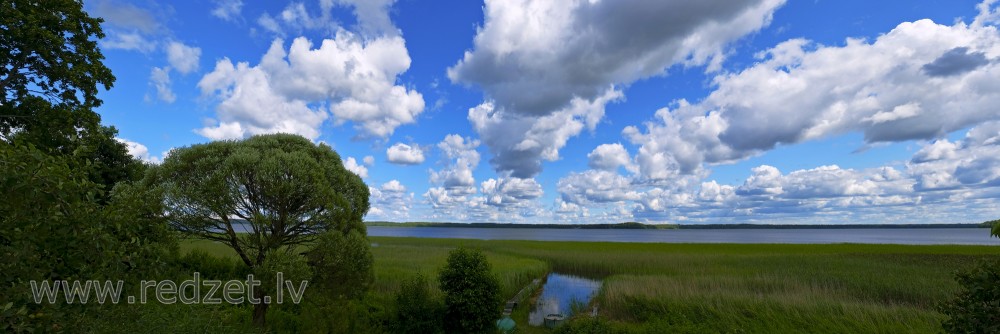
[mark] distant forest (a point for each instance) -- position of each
(641, 226)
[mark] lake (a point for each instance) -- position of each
(908, 236)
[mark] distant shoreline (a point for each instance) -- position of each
(640, 226)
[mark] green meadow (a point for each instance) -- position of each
(710, 288)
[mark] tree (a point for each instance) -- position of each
(52, 228)
(49, 49)
(976, 307)
(417, 311)
(471, 293)
(342, 264)
(50, 72)
(260, 195)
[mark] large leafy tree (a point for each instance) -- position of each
(261, 195)
(50, 71)
(471, 293)
(49, 49)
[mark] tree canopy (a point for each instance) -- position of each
(49, 49)
(281, 188)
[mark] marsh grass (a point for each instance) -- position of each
(738, 288)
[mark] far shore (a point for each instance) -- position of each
(642, 226)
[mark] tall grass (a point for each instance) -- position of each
(746, 288)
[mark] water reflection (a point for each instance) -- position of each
(559, 293)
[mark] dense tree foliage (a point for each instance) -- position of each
(53, 228)
(343, 266)
(50, 73)
(417, 311)
(49, 50)
(976, 307)
(262, 195)
(471, 293)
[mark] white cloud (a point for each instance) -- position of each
(160, 79)
(287, 90)
(610, 157)
(461, 160)
(183, 58)
(549, 68)
(130, 41)
(369, 160)
(126, 16)
(510, 191)
(596, 186)
(228, 10)
(390, 202)
(886, 89)
(352, 165)
(393, 186)
(519, 143)
(403, 154)
(373, 16)
(140, 151)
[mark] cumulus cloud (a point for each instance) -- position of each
(183, 58)
(130, 41)
(510, 191)
(294, 91)
(519, 143)
(549, 68)
(461, 160)
(390, 201)
(128, 27)
(160, 79)
(403, 154)
(596, 186)
(369, 160)
(228, 10)
(609, 157)
(140, 151)
(373, 16)
(352, 165)
(919, 81)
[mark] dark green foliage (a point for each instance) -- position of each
(976, 307)
(342, 264)
(49, 49)
(472, 293)
(52, 228)
(285, 190)
(211, 266)
(321, 314)
(417, 311)
(587, 326)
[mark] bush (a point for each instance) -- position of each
(472, 293)
(416, 310)
(342, 264)
(976, 307)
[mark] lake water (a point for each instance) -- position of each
(558, 295)
(909, 236)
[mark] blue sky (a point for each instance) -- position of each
(749, 111)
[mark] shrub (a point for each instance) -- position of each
(417, 311)
(976, 307)
(342, 264)
(472, 294)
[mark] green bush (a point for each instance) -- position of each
(976, 307)
(211, 267)
(342, 264)
(471, 293)
(417, 311)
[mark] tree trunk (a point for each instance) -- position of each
(259, 314)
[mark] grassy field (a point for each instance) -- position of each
(736, 288)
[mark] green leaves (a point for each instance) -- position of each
(49, 49)
(472, 294)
